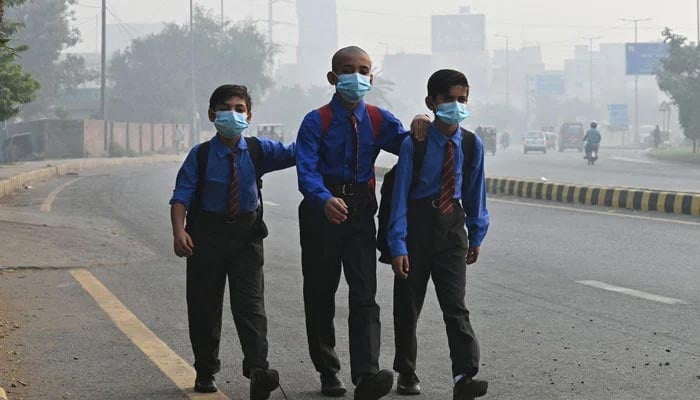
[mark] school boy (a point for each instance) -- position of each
(218, 191)
(337, 146)
(427, 236)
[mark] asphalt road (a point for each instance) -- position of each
(615, 167)
(543, 334)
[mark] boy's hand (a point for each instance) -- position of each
(183, 244)
(336, 210)
(401, 266)
(473, 255)
(420, 127)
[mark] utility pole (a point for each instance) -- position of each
(636, 77)
(590, 54)
(194, 132)
(698, 7)
(222, 21)
(507, 38)
(103, 73)
(269, 20)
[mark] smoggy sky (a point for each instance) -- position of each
(404, 25)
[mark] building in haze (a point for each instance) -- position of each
(318, 40)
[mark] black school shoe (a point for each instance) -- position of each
(374, 387)
(469, 389)
(408, 384)
(262, 383)
(205, 384)
(332, 386)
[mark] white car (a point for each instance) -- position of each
(535, 141)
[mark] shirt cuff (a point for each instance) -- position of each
(176, 200)
(398, 248)
(319, 201)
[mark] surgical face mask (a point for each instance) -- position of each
(353, 87)
(452, 113)
(230, 123)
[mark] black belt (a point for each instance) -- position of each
(349, 189)
(429, 203)
(220, 218)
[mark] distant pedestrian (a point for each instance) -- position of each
(218, 192)
(657, 137)
(178, 138)
(427, 235)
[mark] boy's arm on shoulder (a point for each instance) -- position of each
(398, 222)
(307, 160)
(277, 155)
(187, 180)
(392, 134)
(474, 197)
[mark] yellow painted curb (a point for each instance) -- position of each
(3, 395)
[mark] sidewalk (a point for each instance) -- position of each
(14, 176)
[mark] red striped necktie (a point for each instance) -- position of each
(354, 122)
(233, 200)
(447, 186)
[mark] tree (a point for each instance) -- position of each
(16, 86)
(277, 107)
(381, 90)
(151, 79)
(47, 32)
(679, 77)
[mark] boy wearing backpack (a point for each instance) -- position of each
(427, 236)
(218, 191)
(337, 146)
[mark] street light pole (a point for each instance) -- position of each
(103, 77)
(698, 8)
(194, 134)
(507, 38)
(590, 54)
(636, 78)
(222, 21)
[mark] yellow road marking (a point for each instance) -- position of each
(584, 211)
(645, 200)
(48, 201)
(661, 203)
(3, 395)
(678, 203)
(616, 198)
(172, 365)
(695, 206)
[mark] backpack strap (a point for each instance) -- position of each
(419, 150)
(376, 118)
(468, 146)
(326, 113)
(202, 162)
(256, 155)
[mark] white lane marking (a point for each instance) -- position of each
(270, 203)
(584, 211)
(632, 292)
(48, 201)
(633, 160)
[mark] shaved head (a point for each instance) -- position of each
(345, 53)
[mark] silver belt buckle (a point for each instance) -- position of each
(344, 191)
(435, 204)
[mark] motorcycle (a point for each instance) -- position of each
(591, 153)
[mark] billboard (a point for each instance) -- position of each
(619, 119)
(550, 85)
(458, 33)
(644, 58)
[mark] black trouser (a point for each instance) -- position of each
(224, 250)
(324, 246)
(437, 247)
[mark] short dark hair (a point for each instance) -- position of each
(441, 81)
(224, 93)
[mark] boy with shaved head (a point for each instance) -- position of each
(337, 146)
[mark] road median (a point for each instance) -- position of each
(20, 180)
(601, 196)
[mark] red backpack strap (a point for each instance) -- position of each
(376, 118)
(326, 113)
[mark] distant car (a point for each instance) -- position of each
(535, 141)
(271, 131)
(571, 136)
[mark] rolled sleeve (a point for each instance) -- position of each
(398, 221)
(187, 180)
(474, 198)
(307, 159)
(277, 156)
(392, 134)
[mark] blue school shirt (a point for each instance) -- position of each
(471, 191)
(331, 158)
(217, 178)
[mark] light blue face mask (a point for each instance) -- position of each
(353, 87)
(452, 113)
(230, 123)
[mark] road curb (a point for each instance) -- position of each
(17, 182)
(601, 196)
(3, 394)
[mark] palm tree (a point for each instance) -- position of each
(381, 90)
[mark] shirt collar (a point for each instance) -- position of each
(222, 150)
(340, 110)
(441, 139)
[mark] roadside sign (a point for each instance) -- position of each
(619, 118)
(550, 85)
(644, 58)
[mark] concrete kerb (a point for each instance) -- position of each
(3, 394)
(601, 196)
(17, 182)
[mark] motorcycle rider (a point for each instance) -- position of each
(592, 139)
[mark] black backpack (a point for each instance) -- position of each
(419, 150)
